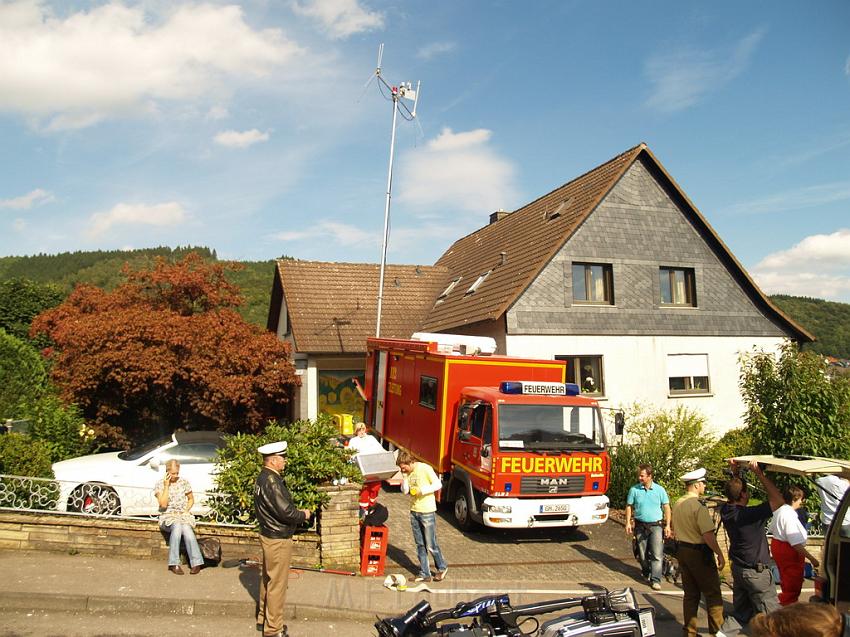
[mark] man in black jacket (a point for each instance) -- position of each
(278, 519)
(753, 587)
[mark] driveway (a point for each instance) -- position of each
(598, 555)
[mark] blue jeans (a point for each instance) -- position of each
(424, 526)
(650, 542)
(176, 532)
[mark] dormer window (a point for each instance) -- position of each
(478, 282)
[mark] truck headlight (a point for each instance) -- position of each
(497, 508)
(601, 505)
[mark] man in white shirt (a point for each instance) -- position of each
(831, 489)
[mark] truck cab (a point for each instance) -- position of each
(528, 454)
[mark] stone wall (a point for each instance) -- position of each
(335, 543)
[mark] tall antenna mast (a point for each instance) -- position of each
(403, 91)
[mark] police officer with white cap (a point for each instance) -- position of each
(694, 531)
(278, 519)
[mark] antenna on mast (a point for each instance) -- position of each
(403, 91)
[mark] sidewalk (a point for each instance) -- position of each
(76, 583)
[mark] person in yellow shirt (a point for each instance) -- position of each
(694, 532)
(421, 482)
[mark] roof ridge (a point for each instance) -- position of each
(634, 149)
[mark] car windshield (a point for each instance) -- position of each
(549, 427)
(138, 452)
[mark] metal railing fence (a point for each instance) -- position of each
(99, 500)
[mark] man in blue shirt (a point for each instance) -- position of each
(648, 519)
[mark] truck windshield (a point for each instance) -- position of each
(551, 427)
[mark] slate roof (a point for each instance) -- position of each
(332, 306)
(515, 249)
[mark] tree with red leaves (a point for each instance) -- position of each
(166, 350)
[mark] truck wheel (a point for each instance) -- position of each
(462, 511)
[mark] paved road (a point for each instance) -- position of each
(523, 555)
(60, 624)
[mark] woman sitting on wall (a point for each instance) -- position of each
(175, 498)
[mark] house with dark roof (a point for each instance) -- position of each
(616, 272)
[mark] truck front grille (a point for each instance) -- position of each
(551, 485)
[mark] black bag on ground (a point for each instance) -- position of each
(211, 550)
(376, 516)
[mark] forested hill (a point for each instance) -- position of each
(828, 321)
(103, 269)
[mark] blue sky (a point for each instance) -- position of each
(245, 127)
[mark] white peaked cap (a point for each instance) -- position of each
(696, 475)
(274, 448)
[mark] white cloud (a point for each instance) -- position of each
(683, 77)
(430, 51)
(243, 139)
(830, 288)
(457, 171)
(340, 18)
(339, 233)
(817, 266)
(27, 201)
(113, 60)
(123, 214)
(820, 251)
(798, 199)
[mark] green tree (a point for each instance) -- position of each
(22, 300)
(23, 377)
(794, 405)
(674, 441)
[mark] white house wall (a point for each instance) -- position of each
(641, 226)
(634, 368)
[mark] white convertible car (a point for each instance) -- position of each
(122, 482)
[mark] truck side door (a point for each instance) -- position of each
(473, 448)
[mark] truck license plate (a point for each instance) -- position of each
(554, 508)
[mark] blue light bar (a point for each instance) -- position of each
(573, 389)
(510, 387)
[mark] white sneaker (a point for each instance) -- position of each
(656, 586)
(441, 575)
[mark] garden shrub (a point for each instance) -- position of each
(674, 441)
(61, 428)
(20, 455)
(314, 458)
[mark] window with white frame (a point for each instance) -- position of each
(688, 374)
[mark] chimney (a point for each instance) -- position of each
(498, 215)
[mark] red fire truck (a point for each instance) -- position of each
(516, 447)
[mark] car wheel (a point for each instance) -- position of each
(462, 510)
(95, 499)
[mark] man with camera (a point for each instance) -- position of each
(753, 587)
